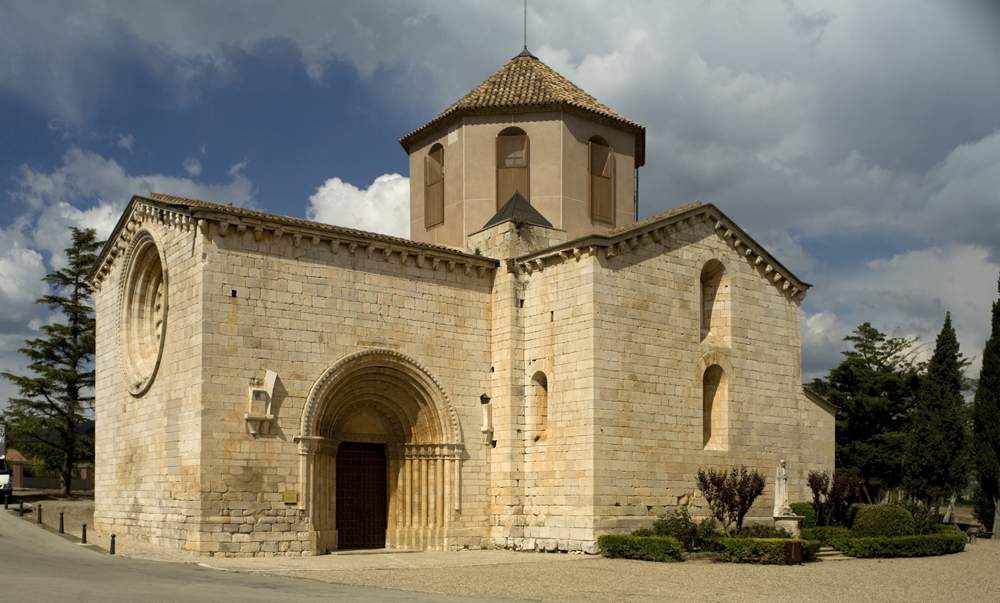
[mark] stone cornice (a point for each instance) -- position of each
(657, 232)
(819, 400)
(175, 213)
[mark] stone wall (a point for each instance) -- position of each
(650, 362)
(148, 448)
(296, 308)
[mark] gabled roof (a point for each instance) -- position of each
(196, 210)
(655, 229)
(526, 84)
(518, 210)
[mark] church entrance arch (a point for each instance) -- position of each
(380, 450)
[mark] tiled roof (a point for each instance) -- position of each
(198, 209)
(526, 84)
(268, 217)
(518, 210)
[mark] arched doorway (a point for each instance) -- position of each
(381, 450)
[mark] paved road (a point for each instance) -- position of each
(36, 565)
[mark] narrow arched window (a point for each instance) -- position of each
(602, 181)
(513, 161)
(715, 408)
(434, 186)
(539, 405)
(715, 302)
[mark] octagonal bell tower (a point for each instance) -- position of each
(525, 130)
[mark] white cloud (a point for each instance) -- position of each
(21, 272)
(91, 191)
(383, 207)
(192, 166)
(905, 295)
(126, 141)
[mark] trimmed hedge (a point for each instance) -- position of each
(927, 545)
(759, 530)
(807, 511)
(883, 520)
(769, 551)
(647, 548)
(827, 535)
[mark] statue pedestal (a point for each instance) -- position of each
(789, 523)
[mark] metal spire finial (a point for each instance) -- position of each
(526, 25)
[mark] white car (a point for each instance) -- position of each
(6, 487)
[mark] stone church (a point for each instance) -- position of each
(533, 368)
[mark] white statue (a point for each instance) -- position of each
(781, 508)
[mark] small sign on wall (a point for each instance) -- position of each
(290, 497)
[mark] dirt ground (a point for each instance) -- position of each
(75, 513)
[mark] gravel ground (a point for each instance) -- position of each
(969, 576)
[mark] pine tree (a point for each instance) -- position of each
(51, 411)
(936, 461)
(986, 426)
(874, 388)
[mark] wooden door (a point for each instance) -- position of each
(361, 496)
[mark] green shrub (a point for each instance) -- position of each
(693, 535)
(827, 535)
(807, 511)
(852, 512)
(883, 520)
(643, 532)
(927, 545)
(769, 551)
(730, 494)
(925, 519)
(647, 548)
(758, 530)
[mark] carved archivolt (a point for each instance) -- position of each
(142, 312)
(419, 402)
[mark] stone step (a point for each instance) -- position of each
(831, 554)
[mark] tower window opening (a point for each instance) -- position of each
(602, 181)
(434, 186)
(513, 164)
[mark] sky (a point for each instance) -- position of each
(858, 141)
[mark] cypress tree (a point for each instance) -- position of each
(986, 426)
(50, 415)
(935, 463)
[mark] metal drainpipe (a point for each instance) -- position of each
(635, 197)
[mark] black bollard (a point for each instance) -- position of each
(6, 501)
(83, 538)
(20, 511)
(112, 549)
(62, 529)
(38, 519)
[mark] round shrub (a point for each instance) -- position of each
(694, 535)
(807, 511)
(883, 520)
